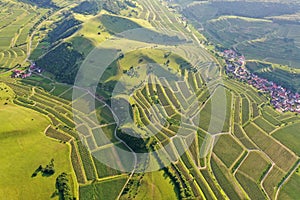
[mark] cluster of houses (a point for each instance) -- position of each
(281, 98)
(26, 73)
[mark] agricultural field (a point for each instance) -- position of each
(259, 30)
(163, 121)
(100, 190)
(289, 137)
(227, 155)
(17, 29)
(289, 190)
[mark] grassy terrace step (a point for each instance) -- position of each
(239, 133)
(192, 82)
(76, 162)
(213, 184)
(270, 115)
(53, 133)
(194, 151)
(208, 193)
(30, 106)
(245, 110)
(62, 118)
(43, 101)
(186, 179)
(255, 110)
(87, 162)
(103, 170)
(289, 136)
(264, 125)
(98, 190)
(237, 107)
(20, 90)
(255, 165)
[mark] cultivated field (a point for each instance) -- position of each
(224, 140)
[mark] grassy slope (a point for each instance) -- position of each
(156, 185)
(23, 149)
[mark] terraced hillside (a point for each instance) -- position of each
(264, 31)
(206, 135)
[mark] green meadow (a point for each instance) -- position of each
(24, 147)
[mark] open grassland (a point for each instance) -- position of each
(6, 94)
(24, 149)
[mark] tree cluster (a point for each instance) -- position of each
(46, 171)
(63, 187)
(114, 6)
(62, 62)
(42, 3)
(63, 29)
(49, 169)
(88, 8)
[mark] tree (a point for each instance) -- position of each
(63, 187)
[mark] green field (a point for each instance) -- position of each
(289, 136)
(290, 189)
(250, 154)
(157, 185)
(102, 190)
(254, 165)
(227, 149)
(24, 148)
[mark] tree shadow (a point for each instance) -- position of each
(46, 171)
(37, 171)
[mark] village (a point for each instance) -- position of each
(26, 73)
(282, 99)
